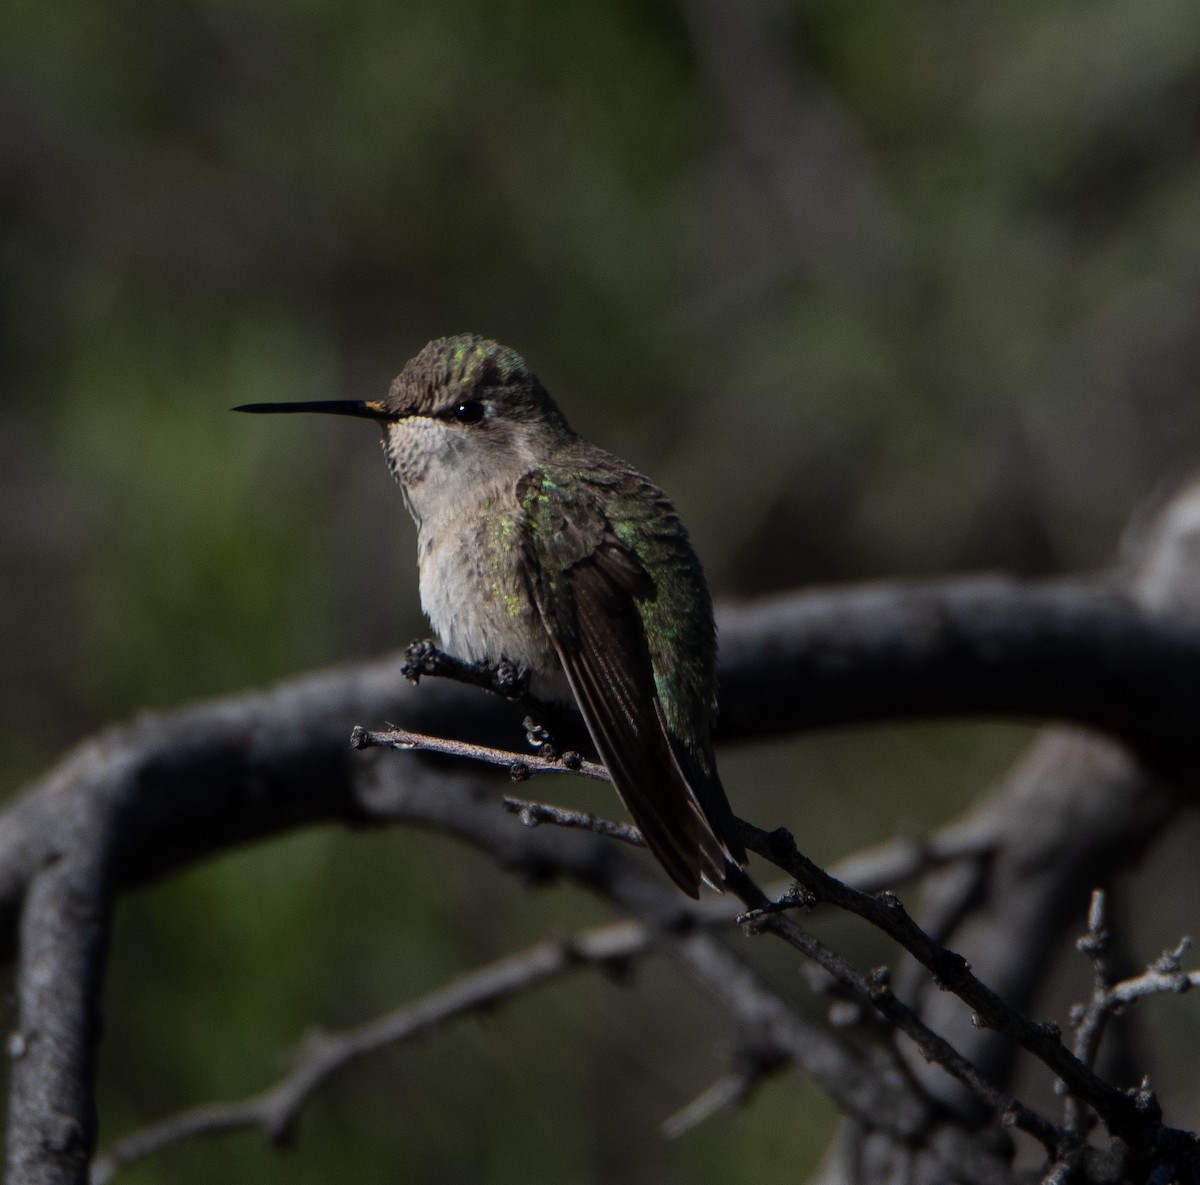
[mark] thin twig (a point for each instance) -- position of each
(875, 990)
(534, 813)
(520, 765)
(549, 722)
(1123, 1115)
(1165, 975)
(728, 1091)
(1090, 1020)
(274, 1111)
(870, 870)
(853, 1080)
(1155, 981)
(887, 914)
(874, 993)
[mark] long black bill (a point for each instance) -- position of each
(364, 409)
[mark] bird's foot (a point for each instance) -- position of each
(507, 679)
(421, 658)
(504, 678)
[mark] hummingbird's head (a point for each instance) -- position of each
(464, 411)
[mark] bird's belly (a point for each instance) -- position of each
(476, 599)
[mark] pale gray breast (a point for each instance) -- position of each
(475, 597)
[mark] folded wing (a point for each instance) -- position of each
(587, 586)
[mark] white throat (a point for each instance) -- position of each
(445, 472)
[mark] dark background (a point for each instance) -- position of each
(872, 289)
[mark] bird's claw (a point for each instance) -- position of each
(539, 738)
(507, 678)
(420, 658)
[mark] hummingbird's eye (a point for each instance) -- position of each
(470, 411)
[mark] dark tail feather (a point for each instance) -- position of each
(720, 842)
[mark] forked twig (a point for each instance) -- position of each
(275, 1111)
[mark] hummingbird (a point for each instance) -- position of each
(541, 549)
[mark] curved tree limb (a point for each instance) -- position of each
(238, 768)
(64, 942)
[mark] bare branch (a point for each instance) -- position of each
(534, 813)
(520, 765)
(876, 991)
(870, 871)
(1108, 999)
(769, 1024)
(1122, 1115)
(1164, 977)
(64, 942)
(727, 1092)
(275, 1111)
(504, 679)
(968, 648)
(1089, 1022)
(886, 1102)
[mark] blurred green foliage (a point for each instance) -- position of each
(871, 288)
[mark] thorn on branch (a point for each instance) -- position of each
(1170, 962)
